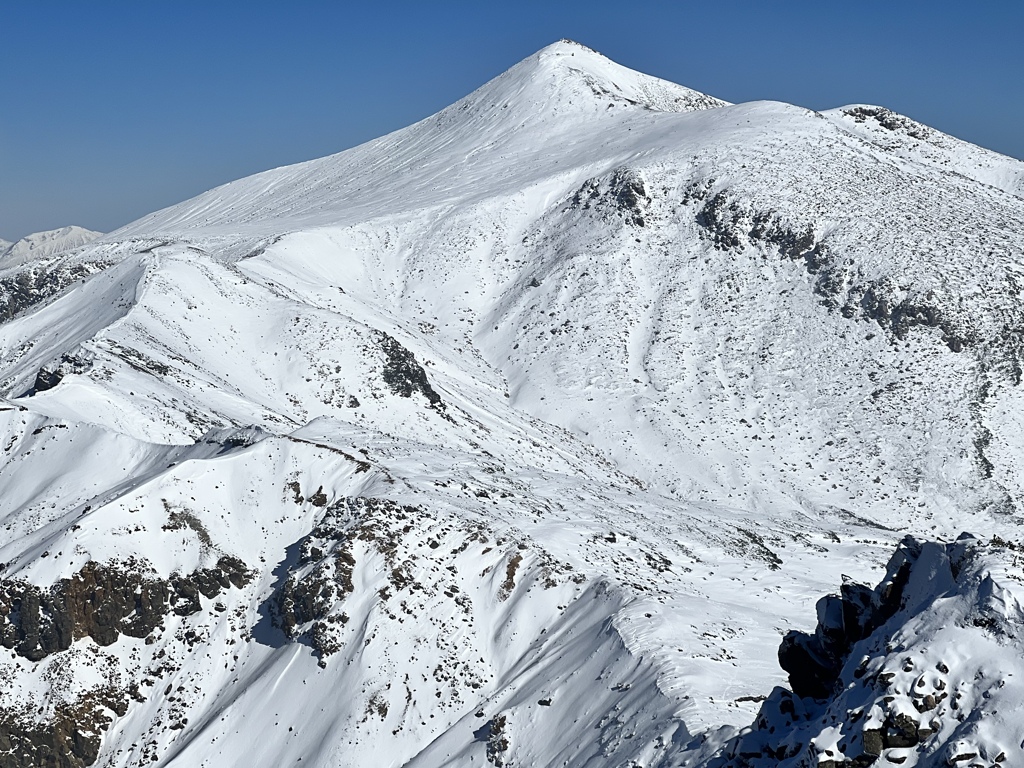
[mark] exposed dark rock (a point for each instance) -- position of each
(814, 661)
(720, 218)
(50, 375)
(730, 224)
(880, 302)
(493, 732)
(46, 380)
(104, 601)
(889, 120)
(307, 606)
(624, 194)
(821, 674)
(71, 739)
(901, 732)
(874, 741)
(140, 361)
(37, 283)
(629, 192)
(791, 243)
(402, 373)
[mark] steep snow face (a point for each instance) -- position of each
(42, 245)
(529, 427)
(754, 280)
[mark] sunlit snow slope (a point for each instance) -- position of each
(41, 245)
(519, 436)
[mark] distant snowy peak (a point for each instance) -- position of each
(608, 82)
(41, 245)
(908, 139)
(569, 79)
(557, 109)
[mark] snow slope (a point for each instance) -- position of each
(513, 437)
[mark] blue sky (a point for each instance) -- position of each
(109, 110)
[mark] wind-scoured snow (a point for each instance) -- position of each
(520, 436)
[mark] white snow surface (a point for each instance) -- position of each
(687, 364)
(41, 245)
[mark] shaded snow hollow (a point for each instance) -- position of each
(523, 436)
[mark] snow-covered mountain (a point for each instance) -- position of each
(40, 265)
(42, 245)
(517, 437)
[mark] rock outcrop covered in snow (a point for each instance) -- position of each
(922, 670)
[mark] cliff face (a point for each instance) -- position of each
(103, 602)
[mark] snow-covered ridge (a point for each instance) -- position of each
(911, 140)
(530, 427)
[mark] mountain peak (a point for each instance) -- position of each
(552, 397)
(579, 70)
(44, 244)
(565, 45)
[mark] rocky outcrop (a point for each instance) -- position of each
(104, 601)
(730, 224)
(889, 120)
(38, 283)
(402, 373)
(308, 605)
(50, 375)
(624, 194)
(70, 739)
(814, 661)
(884, 679)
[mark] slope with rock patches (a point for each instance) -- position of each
(527, 428)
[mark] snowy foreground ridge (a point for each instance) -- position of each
(591, 421)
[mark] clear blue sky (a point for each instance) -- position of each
(109, 110)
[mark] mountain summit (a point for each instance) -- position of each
(553, 111)
(516, 436)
